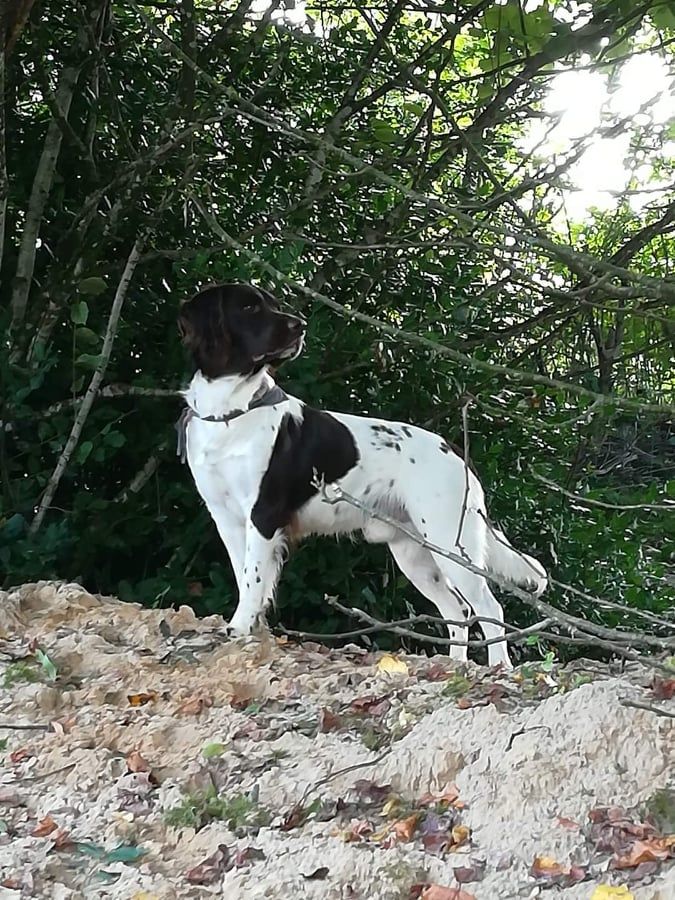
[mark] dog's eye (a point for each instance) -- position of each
(253, 306)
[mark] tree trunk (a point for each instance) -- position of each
(42, 185)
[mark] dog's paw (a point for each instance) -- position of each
(244, 625)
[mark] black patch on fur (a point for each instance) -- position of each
(393, 445)
(318, 444)
(437, 578)
(406, 431)
(367, 490)
(385, 429)
(412, 460)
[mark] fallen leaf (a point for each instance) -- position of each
(570, 824)
(611, 892)
(142, 698)
(436, 672)
(438, 892)
(405, 828)
(435, 832)
(460, 834)
(644, 851)
(375, 706)
(328, 721)
(448, 797)
(144, 895)
(211, 868)
(44, 827)
(464, 703)
(298, 815)
(368, 790)
(211, 750)
(19, 755)
(124, 854)
(193, 705)
(547, 867)
(392, 665)
(48, 666)
(467, 874)
(244, 856)
(663, 688)
(136, 763)
(358, 829)
(318, 874)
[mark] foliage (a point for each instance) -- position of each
(447, 229)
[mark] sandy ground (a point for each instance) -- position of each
(143, 755)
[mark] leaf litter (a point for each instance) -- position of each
(148, 756)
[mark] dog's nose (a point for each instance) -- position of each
(296, 325)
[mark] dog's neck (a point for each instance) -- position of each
(221, 396)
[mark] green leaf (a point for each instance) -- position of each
(84, 450)
(89, 849)
(92, 286)
(88, 360)
(49, 668)
(415, 108)
(79, 313)
(383, 131)
(211, 750)
(86, 336)
(115, 439)
(125, 854)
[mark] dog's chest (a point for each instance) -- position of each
(228, 461)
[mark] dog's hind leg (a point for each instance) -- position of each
(418, 565)
(475, 592)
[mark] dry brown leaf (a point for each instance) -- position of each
(570, 824)
(136, 762)
(405, 828)
(449, 796)
(644, 851)
(663, 688)
(211, 868)
(142, 698)
(44, 827)
(547, 867)
(193, 705)
(328, 721)
(460, 835)
(19, 755)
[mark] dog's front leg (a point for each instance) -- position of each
(263, 559)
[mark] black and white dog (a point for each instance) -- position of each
(255, 454)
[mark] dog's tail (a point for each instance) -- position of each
(518, 568)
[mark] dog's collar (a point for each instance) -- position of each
(269, 396)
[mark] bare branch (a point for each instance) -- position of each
(42, 185)
(94, 384)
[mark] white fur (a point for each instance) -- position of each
(419, 484)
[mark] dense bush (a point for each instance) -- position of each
(112, 136)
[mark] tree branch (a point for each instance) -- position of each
(92, 390)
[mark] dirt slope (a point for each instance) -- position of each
(147, 756)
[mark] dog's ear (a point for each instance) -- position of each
(186, 329)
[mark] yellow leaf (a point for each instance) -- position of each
(611, 892)
(392, 666)
(144, 895)
(460, 834)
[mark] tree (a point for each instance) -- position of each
(371, 166)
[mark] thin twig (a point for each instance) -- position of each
(655, 709)
(311, 788)
(9, 726)
(589, 501)
(94, 385)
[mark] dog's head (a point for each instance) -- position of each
(236, 329)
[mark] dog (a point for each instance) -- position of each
(263, 463)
